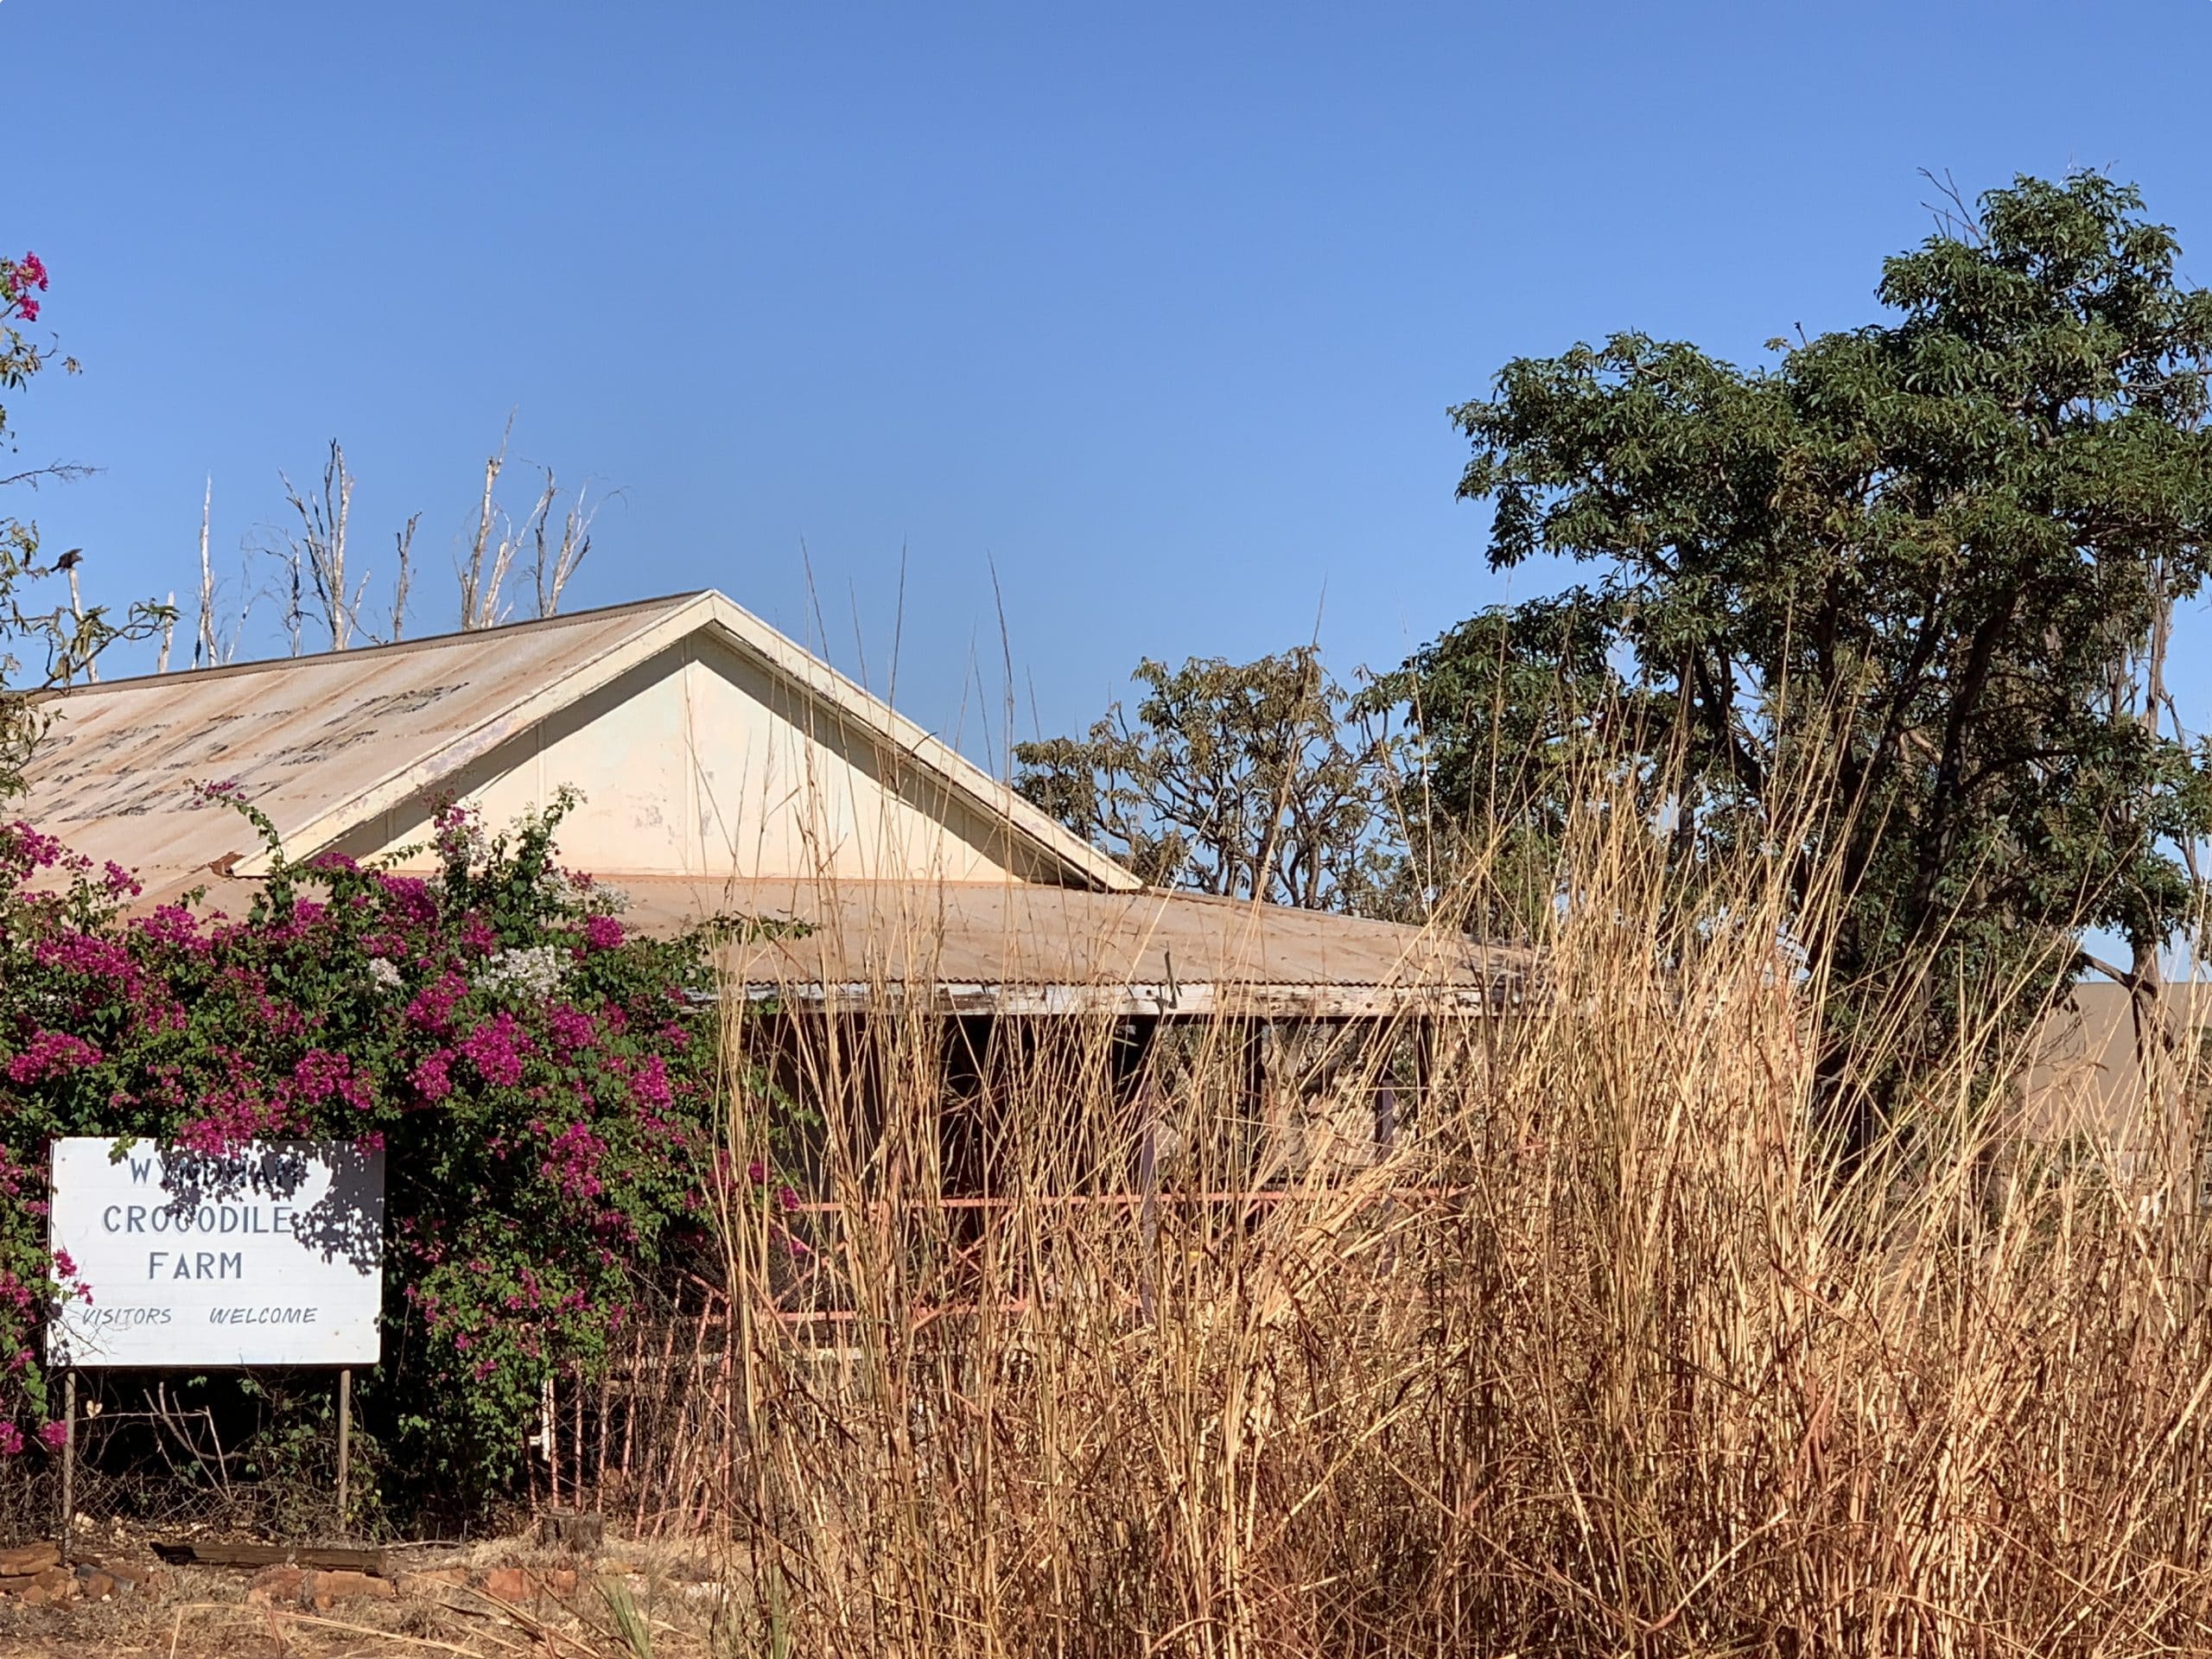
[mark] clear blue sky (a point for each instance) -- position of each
(1156, 308)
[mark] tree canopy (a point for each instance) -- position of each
(1250, 781)
(1932, 560)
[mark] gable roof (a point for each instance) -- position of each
(322, 743)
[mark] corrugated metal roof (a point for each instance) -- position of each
(1005, 948)
(114, 777)
(321, 743)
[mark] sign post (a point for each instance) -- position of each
(345, 1438)
(68, 1466)
(269, 1254)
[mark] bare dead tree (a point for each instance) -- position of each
(405, 549)
(499, 542)
(169, 634)
(315, 587)
(556, 564)
(293, 592)
(320, 546)
(488, 562)
(218, 654)
(203, 649)
(533, 530)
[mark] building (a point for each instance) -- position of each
(2091, 1081)
(706, 744)
(723, 770)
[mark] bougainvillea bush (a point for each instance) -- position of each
(540, 1077)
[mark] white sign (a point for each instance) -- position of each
(271, 1255)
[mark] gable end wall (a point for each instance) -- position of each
(697, 763)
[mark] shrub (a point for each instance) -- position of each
(539, 1076)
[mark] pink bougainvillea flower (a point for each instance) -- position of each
(433, 1006)
(434, 1076)
(497, 1049)
(232, 1115)
(320, 1075)
(574, 1161)
(570, 1028)
(174, 925)
(84, 954)
(352, 1006)
(52, 1054)
(649, 1085)
(411, 898)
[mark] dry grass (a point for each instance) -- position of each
(1599, 1359)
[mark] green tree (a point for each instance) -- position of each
(1249, 780)
(1517, 717)
(1932, 560)
(66, 639)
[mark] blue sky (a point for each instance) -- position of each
(1155, 310)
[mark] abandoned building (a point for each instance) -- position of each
(723, 770)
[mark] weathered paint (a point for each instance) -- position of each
(268, 1255)
(699, 763)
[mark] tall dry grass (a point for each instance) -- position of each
(1600, 1359)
